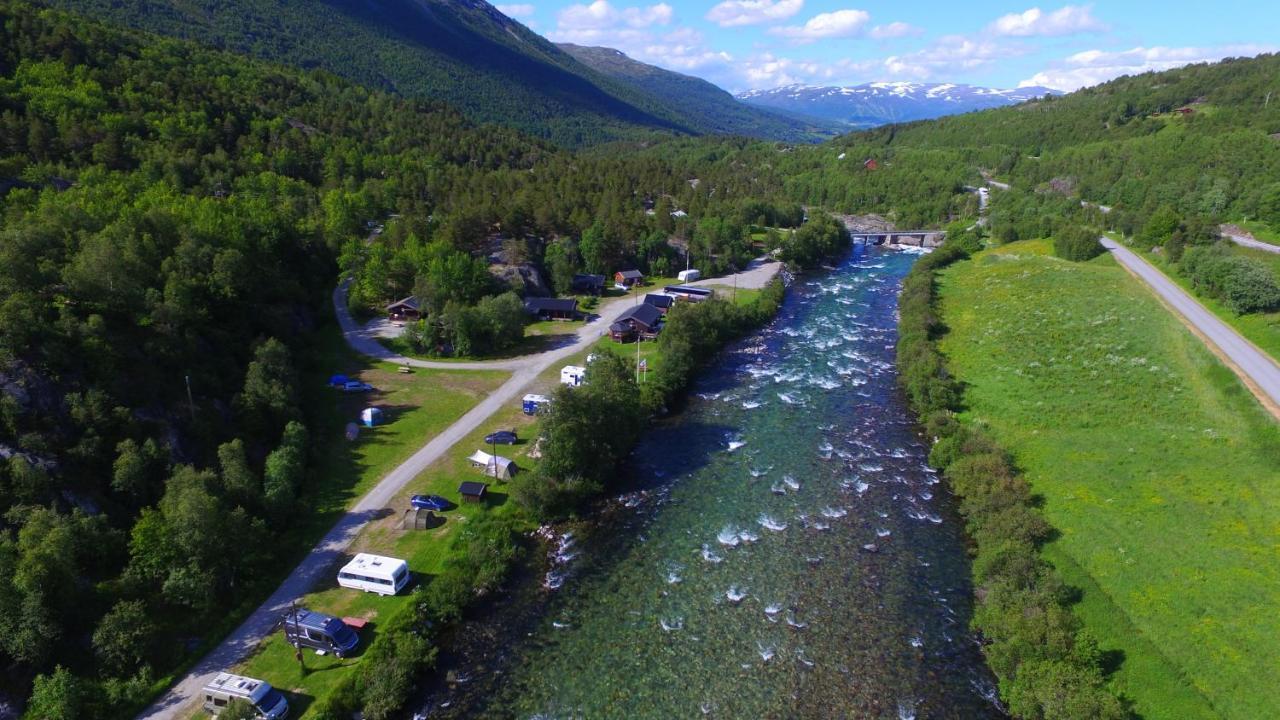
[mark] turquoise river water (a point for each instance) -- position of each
(784, 553)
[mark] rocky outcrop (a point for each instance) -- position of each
(525, 279)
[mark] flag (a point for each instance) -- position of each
(644, 364)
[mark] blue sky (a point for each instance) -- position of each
(757, 44)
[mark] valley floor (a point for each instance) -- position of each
(1155, 464)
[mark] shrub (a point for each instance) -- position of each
(1244, 284)
(1077, 243)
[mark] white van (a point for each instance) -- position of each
(268, 701)
(689, 275)
(374, 573)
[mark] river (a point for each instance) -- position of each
(785, 552)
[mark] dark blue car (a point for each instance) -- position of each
(430, 502)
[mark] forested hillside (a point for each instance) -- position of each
(708, 107)
(463, 52)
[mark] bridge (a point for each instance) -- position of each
(916, 238)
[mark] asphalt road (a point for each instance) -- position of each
(1255, 367)
(318, 564)
(1250, 242)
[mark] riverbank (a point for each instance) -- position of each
(455, 566)
(1153, 463)
(1031, 639)
(779, 549)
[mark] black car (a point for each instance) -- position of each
(502, 437)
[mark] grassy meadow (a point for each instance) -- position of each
(1159, 470)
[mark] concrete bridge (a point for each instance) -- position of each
(916, 238)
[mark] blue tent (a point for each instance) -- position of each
(338, 380)
(371, 416)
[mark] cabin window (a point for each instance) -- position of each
(220, 702)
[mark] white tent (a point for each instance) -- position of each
(495, 466)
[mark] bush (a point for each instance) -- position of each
(1077, 243)
(1244, 284)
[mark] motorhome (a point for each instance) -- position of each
(573, 375)
(225, 688)
(689, 275)
(374, 573)
(534, 403)
(324, 633)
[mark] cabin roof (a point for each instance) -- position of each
(541, 304)
(644, 314)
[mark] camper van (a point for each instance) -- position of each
(324, 633)
(374, 573)
(689, 275)
(572, 375)
(533, 403)
(226, 687)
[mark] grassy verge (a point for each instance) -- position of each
(538, 337)
(1154, 463)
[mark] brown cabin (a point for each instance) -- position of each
(629, 278)
(406, 310)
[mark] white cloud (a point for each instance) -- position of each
(1067, 20)
(948, 56)
(516, 11)
(893, 30)
(1091, 67)
(600, 15)
(736, 13)
(841, 23)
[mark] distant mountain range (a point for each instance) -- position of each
(465, 53)
(880, 103)
(701, 103)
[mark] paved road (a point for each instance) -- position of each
(1255, 367)
(1249, 242)
(317, 565)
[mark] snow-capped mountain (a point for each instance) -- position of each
(879, 103)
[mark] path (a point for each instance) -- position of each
(318, 563)
(1258, 371)
(1244, 239)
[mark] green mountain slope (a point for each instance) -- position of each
(463, 52)
(706, 105)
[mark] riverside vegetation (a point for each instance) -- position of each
(1151, 462)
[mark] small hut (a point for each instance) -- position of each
(472, 491)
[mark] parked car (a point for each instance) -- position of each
(501, 437)
(356, 386)
(430, 502)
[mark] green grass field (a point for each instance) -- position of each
(1160, 471)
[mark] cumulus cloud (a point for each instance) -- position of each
(1091, 67)
(736, 13)
(600, 15)
(893, 30)
(1067, 20)
(948, 56)
(600, 23)
(841, 23)
(516, 11)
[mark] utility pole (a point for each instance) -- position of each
(637, 356)
(191, 403)
(297, 644)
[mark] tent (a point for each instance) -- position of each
(494, 466)
(371, 416)
(338, 380)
